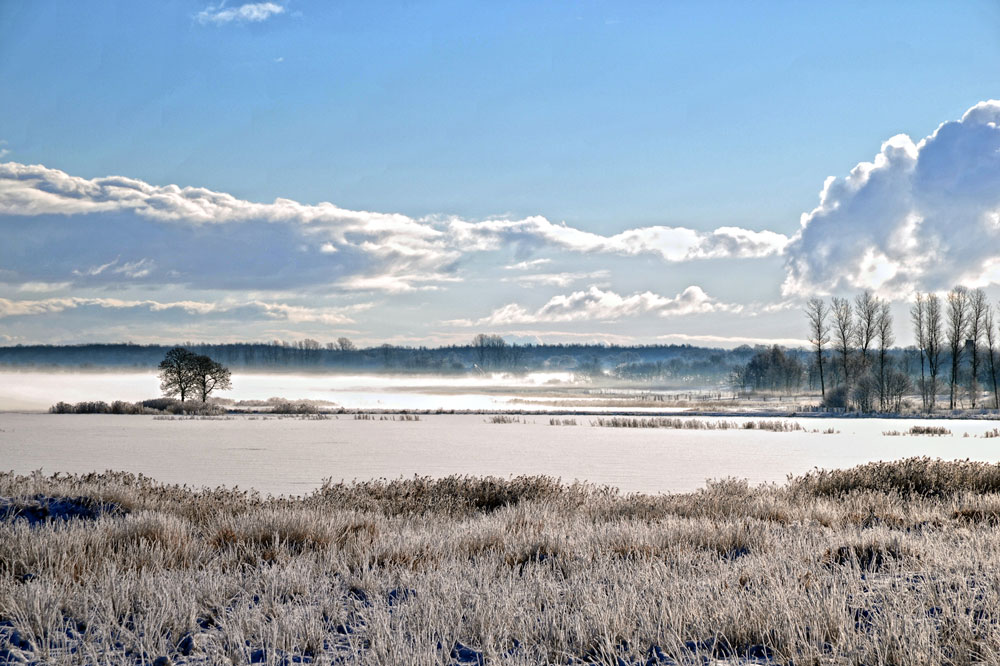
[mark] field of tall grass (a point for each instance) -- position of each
(889, 563)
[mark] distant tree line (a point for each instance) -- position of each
(660, 365)
(771, 370)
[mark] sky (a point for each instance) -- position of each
(417, 173)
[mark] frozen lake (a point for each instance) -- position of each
(292, 456)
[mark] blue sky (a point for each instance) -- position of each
(708, 129)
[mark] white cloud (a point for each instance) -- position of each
(243, 310)
(387, 248)
(132, 269)
(41, 287)
(920, 216)
(352, 249)
(671, 243)
(395, 284)
(253, 12)
(730, 340)
(596, 304)
(527, 265)
(555, 279)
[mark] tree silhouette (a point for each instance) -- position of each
(210, 375)
(183, 373)
(177, 373)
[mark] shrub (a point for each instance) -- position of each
(836, 398)
(910, 477)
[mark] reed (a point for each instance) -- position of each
(888, 563)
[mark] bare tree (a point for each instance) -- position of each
(883, 327)
(897, 384)
(843, 332)
(918, 316)
(958, 322)
(934, 339)
(491, 350)
(991, 352)
(819, 331)
(866, 306)
(345, 344)
(977, 312)
(177, 375)
(210, 375)
(386, 351)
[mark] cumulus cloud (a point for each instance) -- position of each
(596, 304)
(252, 12)
(920, 216)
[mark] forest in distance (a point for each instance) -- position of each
(662, 365)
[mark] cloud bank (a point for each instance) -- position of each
(597, 305)
(143, 227)
(236, 310)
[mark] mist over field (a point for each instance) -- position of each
(34, 390)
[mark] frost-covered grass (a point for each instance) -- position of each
(890, 563)
(694, 424)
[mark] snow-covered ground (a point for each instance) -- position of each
(292, 456)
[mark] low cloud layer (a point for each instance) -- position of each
(598, 305)
(142, 228)
(247, 310)
(672, 244)
(920, 216)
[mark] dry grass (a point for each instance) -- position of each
(937, 431)
(890, 563)
(694, 424)
(504, 418)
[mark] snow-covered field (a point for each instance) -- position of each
(292, 456)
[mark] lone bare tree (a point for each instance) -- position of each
(177, 373)
(210, 375)
(977, 313)
(843, 332)
(934, 339)
(867, 308)
(883, 327)
(991, 355)
(819, 331)
(958, 322)
(918, 316)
